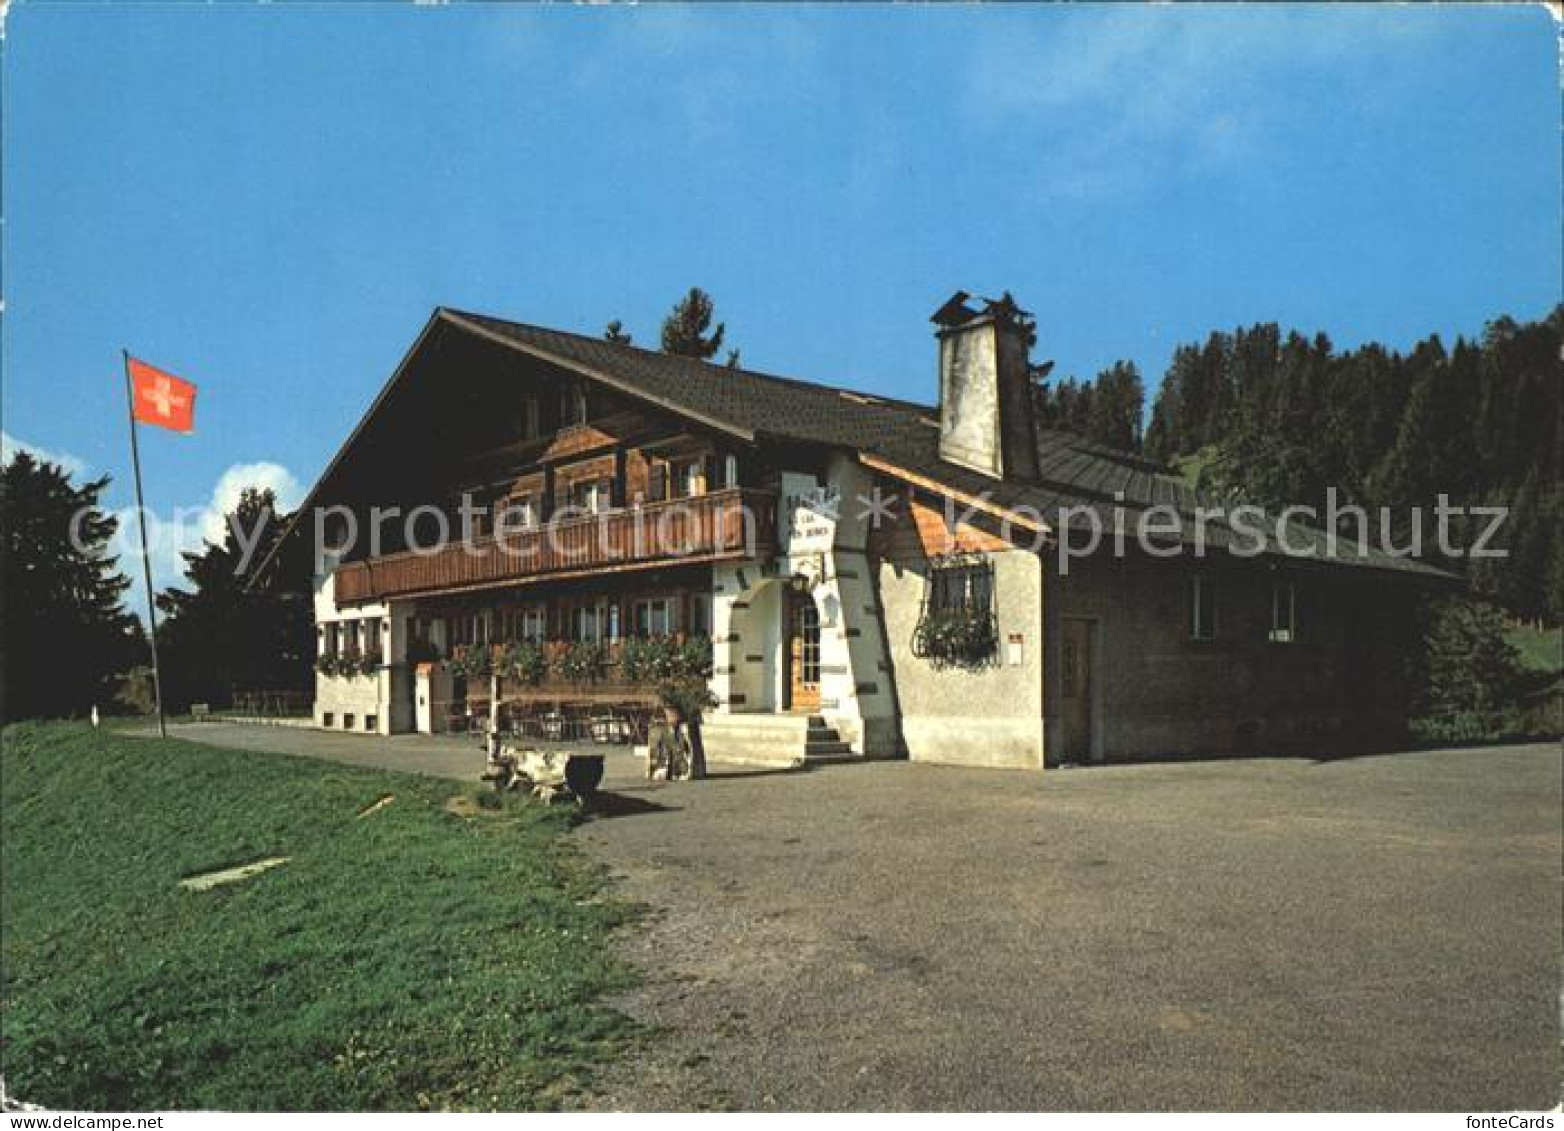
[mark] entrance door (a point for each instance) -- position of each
(803, 652)
(1075, 688)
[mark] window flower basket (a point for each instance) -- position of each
(657, 658)
(470, 661)
(582, 662)
(957, 638)
(523, 661)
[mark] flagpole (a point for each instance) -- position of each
(146, 562)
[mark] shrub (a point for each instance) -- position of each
(1467, 677)
(688, 695)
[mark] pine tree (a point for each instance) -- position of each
(65, 634)
(229, 630)
(685, 329)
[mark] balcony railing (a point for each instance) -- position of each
(722, 526)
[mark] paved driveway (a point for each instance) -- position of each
(1372, 933)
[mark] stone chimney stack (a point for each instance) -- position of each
(985, 395)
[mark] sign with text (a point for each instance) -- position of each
(808, 515)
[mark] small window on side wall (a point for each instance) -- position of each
(1202, 607)
(1284, 613)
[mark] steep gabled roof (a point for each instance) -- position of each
(1073, 472)
(897, 436)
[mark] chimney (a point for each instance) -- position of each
(985, 386)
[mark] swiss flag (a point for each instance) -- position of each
(161, 398)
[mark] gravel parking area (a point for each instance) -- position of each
(1272, 934)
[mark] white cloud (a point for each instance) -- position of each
(10, 445)
(233, 483)
(187, 529)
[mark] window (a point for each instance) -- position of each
(808, 642)
(520, 512)
(371, 722)
(1202, 608)
(586, 623)
(653, 617)
(962, 588)
(690, 479)
(613, 623)
(657, 481)
(331, 640)
(700, 614)
(468, 628)
(522, 624)
(730, 471)
(1284, 611)
(588, 495)
(372, 637)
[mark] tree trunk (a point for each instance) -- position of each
(697, 750)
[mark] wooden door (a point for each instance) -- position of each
(1075, 688)
(803, 652)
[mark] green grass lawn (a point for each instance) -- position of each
(410, 959)
(1541, 649)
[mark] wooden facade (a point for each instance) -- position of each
(591, 493)
(724, 525)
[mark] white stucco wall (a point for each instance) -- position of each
(383, 695)
(989, 717)
(749, 601)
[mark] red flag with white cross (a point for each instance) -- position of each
(161, 398)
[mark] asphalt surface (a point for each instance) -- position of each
(1373, 933)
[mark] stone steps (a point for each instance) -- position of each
(773, 740)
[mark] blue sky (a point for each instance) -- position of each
(269, 200)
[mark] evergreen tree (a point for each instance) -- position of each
(685, 330)
(64, 631)
(229, 630)
(1117, 403)
(615, 332)
(1278, 419)
(1466, 676)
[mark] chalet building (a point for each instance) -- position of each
(877, 578)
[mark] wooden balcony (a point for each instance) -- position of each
(726, 525)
